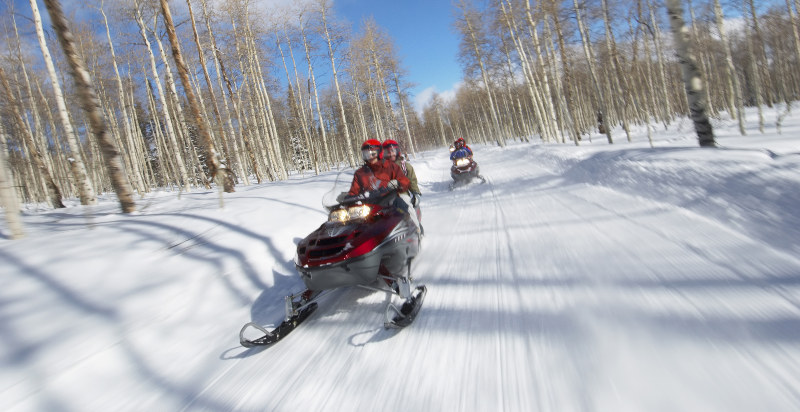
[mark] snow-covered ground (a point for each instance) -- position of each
(592, 278)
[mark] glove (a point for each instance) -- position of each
(393, 184)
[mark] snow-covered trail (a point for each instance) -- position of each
(580, 297)
(552, 295)
(577, 279)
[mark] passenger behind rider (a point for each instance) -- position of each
(392, 153)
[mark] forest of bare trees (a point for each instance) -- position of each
(197, 93)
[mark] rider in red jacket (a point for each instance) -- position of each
(377, 173)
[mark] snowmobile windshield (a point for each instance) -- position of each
(341, 186)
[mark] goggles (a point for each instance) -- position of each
(370, 152)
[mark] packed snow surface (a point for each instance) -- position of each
(596, 277)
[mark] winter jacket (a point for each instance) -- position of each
(409, 171)
(372, 176)
(460, 153)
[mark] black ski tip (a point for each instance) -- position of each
(400, 321)
(279, 332)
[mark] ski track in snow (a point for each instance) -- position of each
(547, 292)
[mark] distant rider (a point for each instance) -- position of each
(460, 144)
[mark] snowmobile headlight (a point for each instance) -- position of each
(358, 212)
(339, 215)
(462, 162)
(351, 213)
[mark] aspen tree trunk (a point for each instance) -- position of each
(732, 79)
(666, 104)
(568, 101)
(360, 109)
(33, 153)
(410, 141)
(274, 141)
(691, 74)
(8, 195)
(754, 66)
(53, 161)
(764, 62)
(547, 98)
(441, 125)
(175, 148)
(295, 99)
(257, 106)
(253, 119)
(484, 75)
(527, 70)
(85, 187)
(137, 172)
(620, 80)
(57, 160)
(232, 136)
(180, 125)
(217, 170)
(313, 80)
(307, 121)
(91, 106)
(169, 168)
(703, 61)
(795, 35)
(209, 85)
(593, 71)
(348, 140)
(237, 103)
(36, 131)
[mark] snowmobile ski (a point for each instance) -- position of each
(279, 332)
(406, 314)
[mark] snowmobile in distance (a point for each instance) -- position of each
(368, 241)
(464, 168)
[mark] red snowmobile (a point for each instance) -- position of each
(369, 241)
(464, 168)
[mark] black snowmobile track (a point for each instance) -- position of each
(286, 327)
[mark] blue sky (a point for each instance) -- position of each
(423, 33)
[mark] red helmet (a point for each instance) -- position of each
(460, 143)
(389, 145)
(370, 149)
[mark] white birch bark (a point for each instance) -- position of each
(85, 188)
(666, 104)
(8, 195)
(32, 152)
(91, 106)
(692, 76)
(348, 140)
(306, 46)
(479, 58)
(129, 133)
(162, 96)
(732, 79)
(216, 168)
(587, 51)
